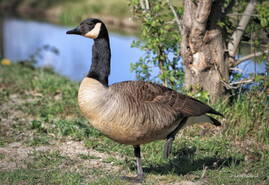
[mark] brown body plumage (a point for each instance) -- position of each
(136, 112)
(132, 112)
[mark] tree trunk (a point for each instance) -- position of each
(202, 48)
(1, 38)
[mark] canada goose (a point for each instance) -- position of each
(132, 112)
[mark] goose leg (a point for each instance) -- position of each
(171, 137)
(168, 146)
(140, 174)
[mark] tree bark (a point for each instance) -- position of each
(238, 33)
(1, 38)
(202, 48)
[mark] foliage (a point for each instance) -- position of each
(263, 12)
(255, 39)
(160, 41)
(37, 54)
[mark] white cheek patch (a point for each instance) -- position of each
(93, 34)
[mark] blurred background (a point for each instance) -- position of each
(32, 29)
(37, 29)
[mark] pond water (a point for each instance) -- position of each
(23, 38)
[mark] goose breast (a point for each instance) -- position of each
(124, 118)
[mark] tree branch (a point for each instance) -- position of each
(247, 57)
(142, 4)
(175, 15)
(198, 28)
(236, 69)
(147, 4)
(246, 81)
(242, 14)
(237, 35)
(203, 11)
(236, 85)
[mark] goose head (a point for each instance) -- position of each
(101, 53)
(91, 28)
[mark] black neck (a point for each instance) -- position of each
(101, 55)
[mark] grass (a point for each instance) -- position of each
(69, 12)
(30, 176)
(39, 114)
(75, 12)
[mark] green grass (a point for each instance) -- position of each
(248, 117)
(37, 141)
(70, 12)
(74, 12)
(2, 156)
(30, 176)
(39, 109)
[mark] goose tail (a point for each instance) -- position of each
(214, 121)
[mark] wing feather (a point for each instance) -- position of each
(151, 92)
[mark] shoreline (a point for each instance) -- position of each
(55, 15)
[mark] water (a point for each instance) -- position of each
(22, 38)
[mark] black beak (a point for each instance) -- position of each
(74, 31)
